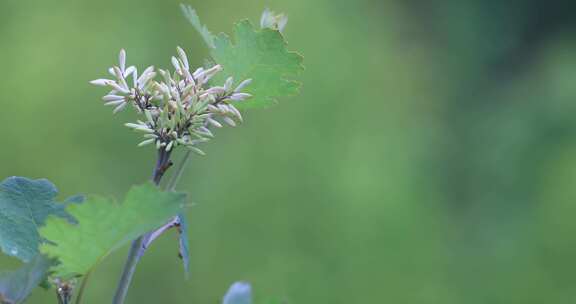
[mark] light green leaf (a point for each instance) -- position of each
(16, 286)
(24, 206)
(105, 225)
(258, 54)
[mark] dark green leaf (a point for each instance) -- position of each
(24, 206)
(16, 286)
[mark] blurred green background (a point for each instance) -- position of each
(431, 157)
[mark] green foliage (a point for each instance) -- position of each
(192, 16)
(67, 240)
(24, 206)
(104, 225)
(257, 54)
(262, 56)
(15, 286)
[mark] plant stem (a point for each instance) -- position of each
(179, 169)
(137, 249)
(83, 287)
(64, 293)
(128, 271)
(162, 165)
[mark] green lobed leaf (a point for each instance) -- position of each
(16, 286)
(24, 206)
(258, 54)
(105, 225)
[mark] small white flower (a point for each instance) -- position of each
(112, 97)
(240, 96)
(101, 82)
(183, 57)
(272, 21)
(119, 108)
(228, 84)
(214, 122)
(176, 64)
(229, 121)
(122, 60)
(114, 102)
(242, 85)
(129, 71)
(180, 107)
(147, 142)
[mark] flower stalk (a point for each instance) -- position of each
(140, 245)
(179, 109)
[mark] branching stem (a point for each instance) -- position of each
(179, 169)
(137, 249)
(83, 285)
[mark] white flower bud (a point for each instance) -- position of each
(122, 60)
(275, 22)
(147, 142)
(118, 88)
(133, 125)
(235, 112)
(214, 123)
(120, 76)
(229, 121)
(119, 108)
(198, 72)
(215, 90)
(112, 97)
(242, 85)
(101, 82)
(176, 64)
(207, 74)
(228, 84)
(114, 102)
(129, 71)
(240, 96)
(169, 146)
(196, 150)
(183, 57)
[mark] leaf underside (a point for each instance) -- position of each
(104, 226)
(15, 286)
(24, 206)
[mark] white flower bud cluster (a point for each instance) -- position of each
(178, 109)
(273, 21)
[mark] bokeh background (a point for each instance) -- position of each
(431, 157)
